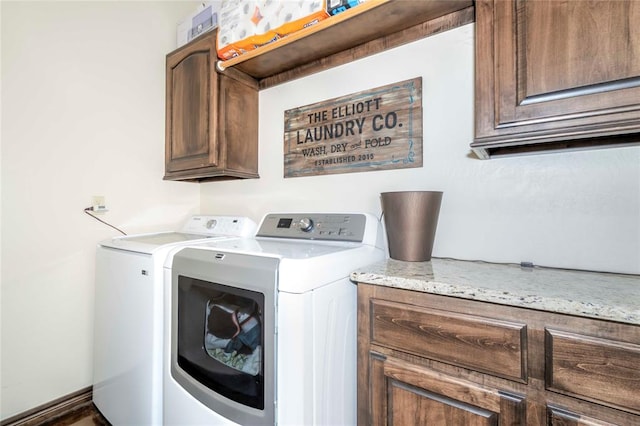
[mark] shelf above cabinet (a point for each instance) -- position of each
(375, 25)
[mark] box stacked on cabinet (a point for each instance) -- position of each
(203, 19)
(248, 24)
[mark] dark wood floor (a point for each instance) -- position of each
(75, 409)
(86, 415)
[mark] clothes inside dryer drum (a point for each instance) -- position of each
(233, 333)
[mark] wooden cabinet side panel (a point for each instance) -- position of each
(364, 388)
(239, 120)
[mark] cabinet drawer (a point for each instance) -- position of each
(599, 370)
(491, 346)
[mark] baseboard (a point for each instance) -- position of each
(60, 407)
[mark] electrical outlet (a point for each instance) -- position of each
(99, 204)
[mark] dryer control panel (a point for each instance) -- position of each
(315, 226)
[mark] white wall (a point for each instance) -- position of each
(572, 210)
(82, 115)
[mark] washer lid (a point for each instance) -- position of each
(148, 243)
(198, 227)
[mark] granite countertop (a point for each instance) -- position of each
(614, 297)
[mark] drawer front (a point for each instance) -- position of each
(478, 343)
(599, 370)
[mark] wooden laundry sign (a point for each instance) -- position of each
(377, 129)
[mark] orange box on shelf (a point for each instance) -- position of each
(239, 30)
(248, 24)
(291, 16)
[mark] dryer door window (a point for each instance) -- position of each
(221, 339)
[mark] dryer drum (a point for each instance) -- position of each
(233, 333)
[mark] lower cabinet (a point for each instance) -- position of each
(428, 359)
(414, 395)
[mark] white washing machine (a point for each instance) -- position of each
(127, 386)
(262, 330)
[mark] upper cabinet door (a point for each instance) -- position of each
(211, 118)
(553, 74)
(192, 107)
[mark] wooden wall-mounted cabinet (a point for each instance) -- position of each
(211, 118)
(429, 359)
(555, 75)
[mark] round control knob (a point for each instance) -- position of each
(306, 224)
(211, 223)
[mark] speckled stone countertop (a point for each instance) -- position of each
(613, 297)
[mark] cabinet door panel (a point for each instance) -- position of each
(569, 58)
(410, 405)
(483, 344)
(560, 73)
(564, 47)
(192, 107)
(190, 115)
(559, 417)
(416, 395)
(601, 370)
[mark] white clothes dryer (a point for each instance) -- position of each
(128, 321)
(262, 331)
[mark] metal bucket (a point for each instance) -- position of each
(411, 218)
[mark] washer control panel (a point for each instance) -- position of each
(314, 226)
(237, 226)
